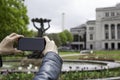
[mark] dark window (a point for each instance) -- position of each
(106, 26)
(112, 31)
(91, 36)
(112, 14)
(118, 45)
(107, 14)
(118, 31)
(106, 46)
(112, 46)
(91, 46)
(75, 38)
(106, 31)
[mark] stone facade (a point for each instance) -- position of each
(104, 32)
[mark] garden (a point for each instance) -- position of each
(68, 75)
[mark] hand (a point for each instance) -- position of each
(50, 46)
(6, 45)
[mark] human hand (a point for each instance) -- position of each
(6, 45)
(50, 46)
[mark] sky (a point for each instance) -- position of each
(76, 12)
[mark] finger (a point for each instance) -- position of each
(46, 39)
(16, 37)
(52, 41)
(13, 34)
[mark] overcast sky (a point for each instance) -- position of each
(76, 11)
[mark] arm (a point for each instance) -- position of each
(50, 67)
(51, 64)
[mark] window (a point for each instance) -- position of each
(118, 31)
(106, 46)
(106, 35)
(106, 26)
(118, 13)
(112, 14)
(119, 46)
(106, 31)
(91, 46)
(107, 14)
(112, 31)
(112, 45)
(75, 37)
(91, 36)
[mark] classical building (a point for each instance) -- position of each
(79, 37)
(102, 33)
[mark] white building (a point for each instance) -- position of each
(104, 32)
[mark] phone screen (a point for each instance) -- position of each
(31, 44)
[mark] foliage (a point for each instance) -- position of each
(17, 76)
(86, 75)
(63, 38)
(55, 37)
(68, 35)
(13, 18)
(82, 75)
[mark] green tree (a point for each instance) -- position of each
(63, 38)
(68, 35)
(56, 38)
(13, 17)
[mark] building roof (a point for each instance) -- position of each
(117, 7)
(91, 22)
(80, 26)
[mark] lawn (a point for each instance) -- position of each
(112, 54)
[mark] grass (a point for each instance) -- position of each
(113, 54)
(68, 52)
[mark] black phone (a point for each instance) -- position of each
(31, 44)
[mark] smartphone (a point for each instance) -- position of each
(31, 44)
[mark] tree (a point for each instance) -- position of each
(56, 38)
(63, 38)
(68, 35)
(13, 17)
